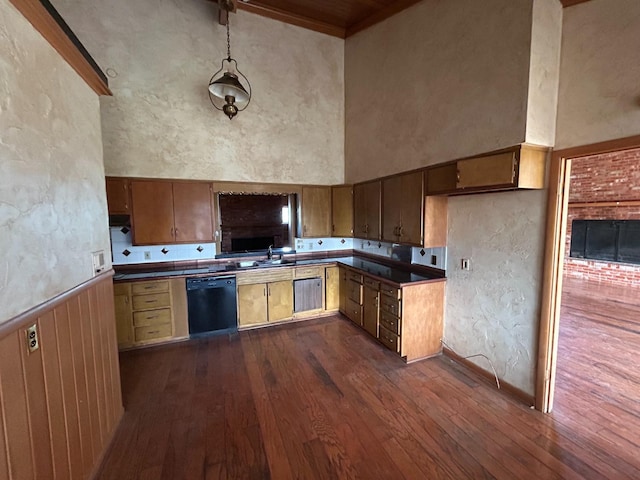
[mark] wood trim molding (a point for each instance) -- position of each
(570, 3)
(622, 203)
(388, 11)
(24, 318)
(599, 148)
(46, 20)
(292, 19)
(488, 376)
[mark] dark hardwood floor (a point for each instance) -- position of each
(320, 399)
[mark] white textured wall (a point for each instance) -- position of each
(444, 80)
(544, 72)
(53, 210)
(494, 307)
(160, 123)
(440, 80)
(599, 72)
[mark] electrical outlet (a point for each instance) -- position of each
(147, 255)
(466, 264)
(32, 338)
(434, 260)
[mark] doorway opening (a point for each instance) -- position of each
(590, 307)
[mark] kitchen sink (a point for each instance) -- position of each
(261, 263)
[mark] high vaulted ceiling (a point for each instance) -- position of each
(340, 18)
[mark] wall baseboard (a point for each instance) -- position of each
(487, 376)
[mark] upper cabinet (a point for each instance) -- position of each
(342, 211)
(314, 211)
(366, 210)
(402, 208)
(520, 167)
(118, 197)
(171, 212)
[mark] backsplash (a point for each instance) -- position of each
(420, 256)
(124, 253)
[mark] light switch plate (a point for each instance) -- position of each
(466, 264)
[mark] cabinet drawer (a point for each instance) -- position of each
(371, 283)
(149, 318)
(390, 291)
(354, 311)
(155, 300)
(142, 288)
(143, 334)
(354, 292)
(390, 322)
(389, 339)
(356, 277)
(390, 305)
(309, 272)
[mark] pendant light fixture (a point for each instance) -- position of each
(227, 91)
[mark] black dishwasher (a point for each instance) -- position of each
(212, 305)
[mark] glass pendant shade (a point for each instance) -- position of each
(229, 85)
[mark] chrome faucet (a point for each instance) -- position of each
(269, 253)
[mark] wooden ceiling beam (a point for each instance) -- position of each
(380, 15)
(294, 19)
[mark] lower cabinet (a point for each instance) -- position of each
(265, 302)
(406, 319)
(342, 282)
(150, 312)
(264, 296)
(332, 288)
(370, 309)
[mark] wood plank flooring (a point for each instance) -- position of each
(320, 399)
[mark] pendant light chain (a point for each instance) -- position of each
(228, 39)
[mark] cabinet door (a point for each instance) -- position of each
(442, 179)
(124, 318)
(392, 199)
(343, 290)
(367, 210)
(411, 229)
(280, 300)
(342, 211)
(315, 212)
(118, 201)
(193, 212)
(332, 288)
(493, 170)
(252, 304)
(152, 207)
(370, 311)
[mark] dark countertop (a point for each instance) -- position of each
(384, 272)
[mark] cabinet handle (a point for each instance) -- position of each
(269, 291)
(172, 234)
(176, 230)
(154, 331)
(265, 291)
(126, 299)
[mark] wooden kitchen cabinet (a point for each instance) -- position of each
(150, 311)
(314, 218)
(193, 212)
(252, 304)
(370, 307)
(402, 209)
(124, 314)
(171, 212)
(118, 196)
(519, 167)
(342, 211)
(332, 288)
(264, 296)
(366, 210)
(343, 289)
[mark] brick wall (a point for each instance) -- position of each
(613, 177)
